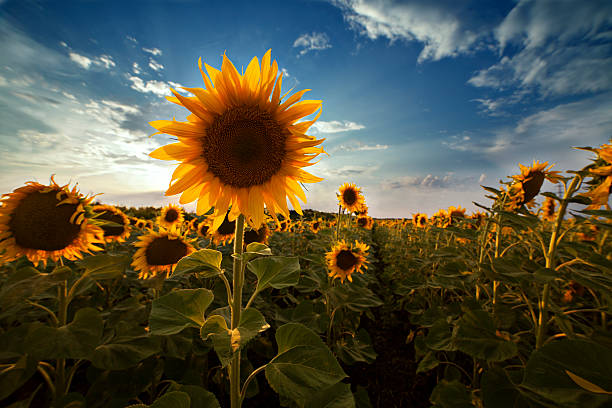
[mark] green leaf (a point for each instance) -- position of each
(499, 391)
(103, 266)
(200, 398)
(172, 399)
(547, 379)
(15, 376)
(275, 271)
(27, 282)
(354, 297)
(125, 349)
(429, 362)
(440, 336)
(356, 348)
(303, 366)
(226, 341)
(254, 250)
(205, 263)
(179, 309)
(477, 337)
(337, 396)
(451, 394)
(75, 340)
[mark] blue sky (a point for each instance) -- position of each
(423, 100)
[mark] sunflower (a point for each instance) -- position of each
(46, 222)
(548, 209)
(316, 225)
(365, 221)
(171, 216)
(440, 218)
(203, 228)
(343, 260)
(421, 221)
(225, 233)
(110, 213)
(140, 224)
(601, 182)
(454, 213)
(362, 210)
(284, 225)
(259, 235)
(193, 224)
(241, 147)
(528, 184)
(350, 197)
(159, 252)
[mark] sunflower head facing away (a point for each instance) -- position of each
(159, 252)
(241, 147)
(548, 209)
(259, 235)
(46, 222)
(119, 232)
(601, 182)
(350, 197)
(527, 185)
(171, 216)
(344, 260)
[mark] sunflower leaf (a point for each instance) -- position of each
(275, 271)
(178, 310)
(206, 263)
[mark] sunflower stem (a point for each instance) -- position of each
(238, 280)
(338, 223)
(60, 367)
(551, 261)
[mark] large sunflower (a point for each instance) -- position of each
(241, 147)
(46, 222)
(171, 216)
(344, 260)
(350, 197)
(159, 252)
(110, 213)
(528, 184)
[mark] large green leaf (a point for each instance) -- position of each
(275, 271)
(559, 374)
(126, 348)
(337, 396)
(355, 297)
(103, 266)
(440, 336)
(226, 341)
(478, 337)
(74, 340)
(303, 366)
(14, 376)
(179, 309)
(28, 281)
(205, 263)
(172, 399)
(451, 394)
(498, 390)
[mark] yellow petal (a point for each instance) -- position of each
(173, 151)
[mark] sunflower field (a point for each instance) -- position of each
(246, 303)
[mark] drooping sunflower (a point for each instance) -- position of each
(171, 216)
(241, 147)
(527, 185)
(46, 222)
(344, 260)
(548, 209)
(365, 221)
(159, 252)
(257, 235)
(350, 197)
(118, 233)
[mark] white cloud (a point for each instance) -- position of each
(285, 73)
(131, 39)
(154, 65)
(63, 44)
(312, 42)
(336, 126)
(103, 60)
(358, 146)
(482, 177)
(561, 50)
(159, 88)
(136, 68)
(69, 96)
(441, 30)
(429, 181)
(153, 51)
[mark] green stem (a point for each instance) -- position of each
(60, 367)
(551, 260)
(238, 281)
(249, 379)
(338, 222)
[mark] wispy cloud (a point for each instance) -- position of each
(131, 39)
(429, 181)
(358, 146)
(312, 42)
(153, 51)
(336, 126)
(136, 68)
(154, 65)
(159, 88)
(105, 61)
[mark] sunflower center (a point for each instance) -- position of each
(349, 196)
(532, 185)
(165, 251)
(315, 225)
(109, 230)
(204, 229)
(171, 215)
(362, 222)
(38, 223)
(346, 260)
(244, 147)
(227, 227)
